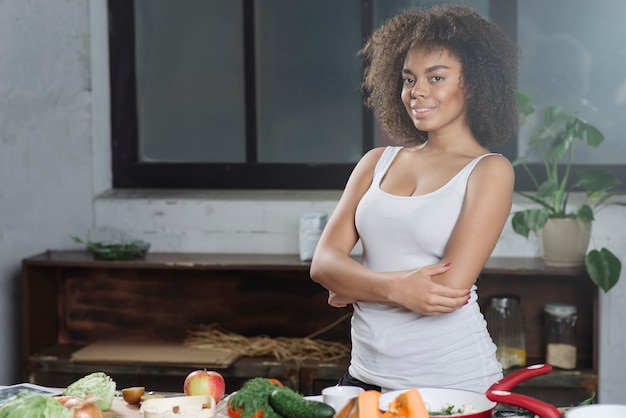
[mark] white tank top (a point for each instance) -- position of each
(396, 348)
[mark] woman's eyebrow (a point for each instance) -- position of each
(437, 67)
(428, 70)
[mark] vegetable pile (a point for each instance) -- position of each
(268, 398)
(115, 249)
(85, 398)
(33, 405)
(88, 397)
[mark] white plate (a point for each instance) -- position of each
(437, 399)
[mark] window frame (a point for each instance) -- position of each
(129, 172)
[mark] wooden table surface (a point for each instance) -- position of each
(121, 409)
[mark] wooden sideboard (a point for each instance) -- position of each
(70, 300)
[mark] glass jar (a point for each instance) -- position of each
(560, 319)
(505, 322)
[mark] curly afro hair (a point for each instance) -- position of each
(489, 62)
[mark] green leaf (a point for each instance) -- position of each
(560, 144)
(524, 104)
(585, 214)
(547, 188)
(518, 222)
(595, 180)
(529, 220)
(603, 268)
(604, 196)
(554, 116)
(593, 136)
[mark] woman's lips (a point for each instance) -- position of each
(421, 111)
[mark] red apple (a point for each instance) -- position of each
(205, 382)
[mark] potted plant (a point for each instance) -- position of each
(555, 139)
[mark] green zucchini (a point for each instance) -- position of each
(291, 404)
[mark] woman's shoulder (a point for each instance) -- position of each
(494, 161)
(364, 170)
(493, 167)
(375, 154)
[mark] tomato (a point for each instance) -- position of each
(237, 413)
(252, 400)
(276, 382)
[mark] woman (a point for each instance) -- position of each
(428, 212)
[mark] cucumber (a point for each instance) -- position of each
(291, 404)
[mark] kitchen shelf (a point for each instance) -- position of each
(70, 300)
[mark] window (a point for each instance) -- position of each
(575, 56)
(244, 94)
(237, 94)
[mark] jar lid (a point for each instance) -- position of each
(560, 309)
(504, 301)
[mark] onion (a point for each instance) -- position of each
(82, 407)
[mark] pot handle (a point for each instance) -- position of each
(518, 376)
(540, 408)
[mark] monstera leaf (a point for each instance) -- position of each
(603, 267)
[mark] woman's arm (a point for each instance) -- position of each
(348, 280)
(485, 210)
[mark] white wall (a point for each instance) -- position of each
(55, 175)
(46, 144)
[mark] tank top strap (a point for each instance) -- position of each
(385, 160)
(462, 177)
(470, 166)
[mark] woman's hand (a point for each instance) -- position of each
(338, 301)
(416, 291)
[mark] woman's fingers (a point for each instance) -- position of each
(431, 298)
(338, 301)
(445, 299)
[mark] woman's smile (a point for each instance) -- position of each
(421, 111)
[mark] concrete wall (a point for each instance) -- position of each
(55, 177)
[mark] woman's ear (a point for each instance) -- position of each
(462, 86)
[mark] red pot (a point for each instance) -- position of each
(502, 394)
(439, 398)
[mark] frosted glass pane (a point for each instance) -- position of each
(190, 82)
(308, 81)
(574, 55)
(384, 9)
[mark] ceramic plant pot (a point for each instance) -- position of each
(565, 242)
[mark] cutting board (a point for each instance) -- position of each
(160, 353)
(121, 409)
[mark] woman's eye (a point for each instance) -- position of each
(407, 80)
(436, 78)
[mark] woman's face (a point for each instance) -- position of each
(432, 89)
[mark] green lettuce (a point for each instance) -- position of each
(28, 404)
(98, 384)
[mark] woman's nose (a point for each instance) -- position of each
(419, 89)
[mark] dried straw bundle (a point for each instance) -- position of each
(282, 348)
